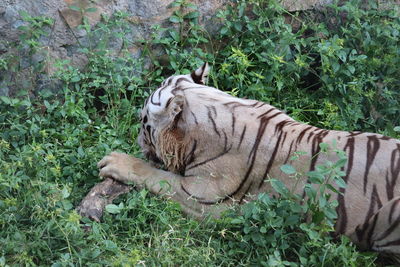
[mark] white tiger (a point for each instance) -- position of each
(219, 150)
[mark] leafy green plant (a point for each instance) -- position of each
(32, 31)
(28, 56)
(183, 43)
(290, 230)
(332, 55)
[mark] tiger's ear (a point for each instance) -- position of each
(174, 109)
(200, 75)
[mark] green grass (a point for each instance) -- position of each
(330, 75)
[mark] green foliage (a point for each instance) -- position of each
(340, 74)
(182, 42)
(290, 230)
(338, 68)
(28, 55)
(272, 232)
(32, 31)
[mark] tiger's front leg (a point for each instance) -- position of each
(124, 168)
(131, 170)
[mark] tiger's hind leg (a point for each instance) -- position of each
(381, 232)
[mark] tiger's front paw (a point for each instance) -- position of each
(123, 168)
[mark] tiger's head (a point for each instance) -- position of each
(161, 134)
